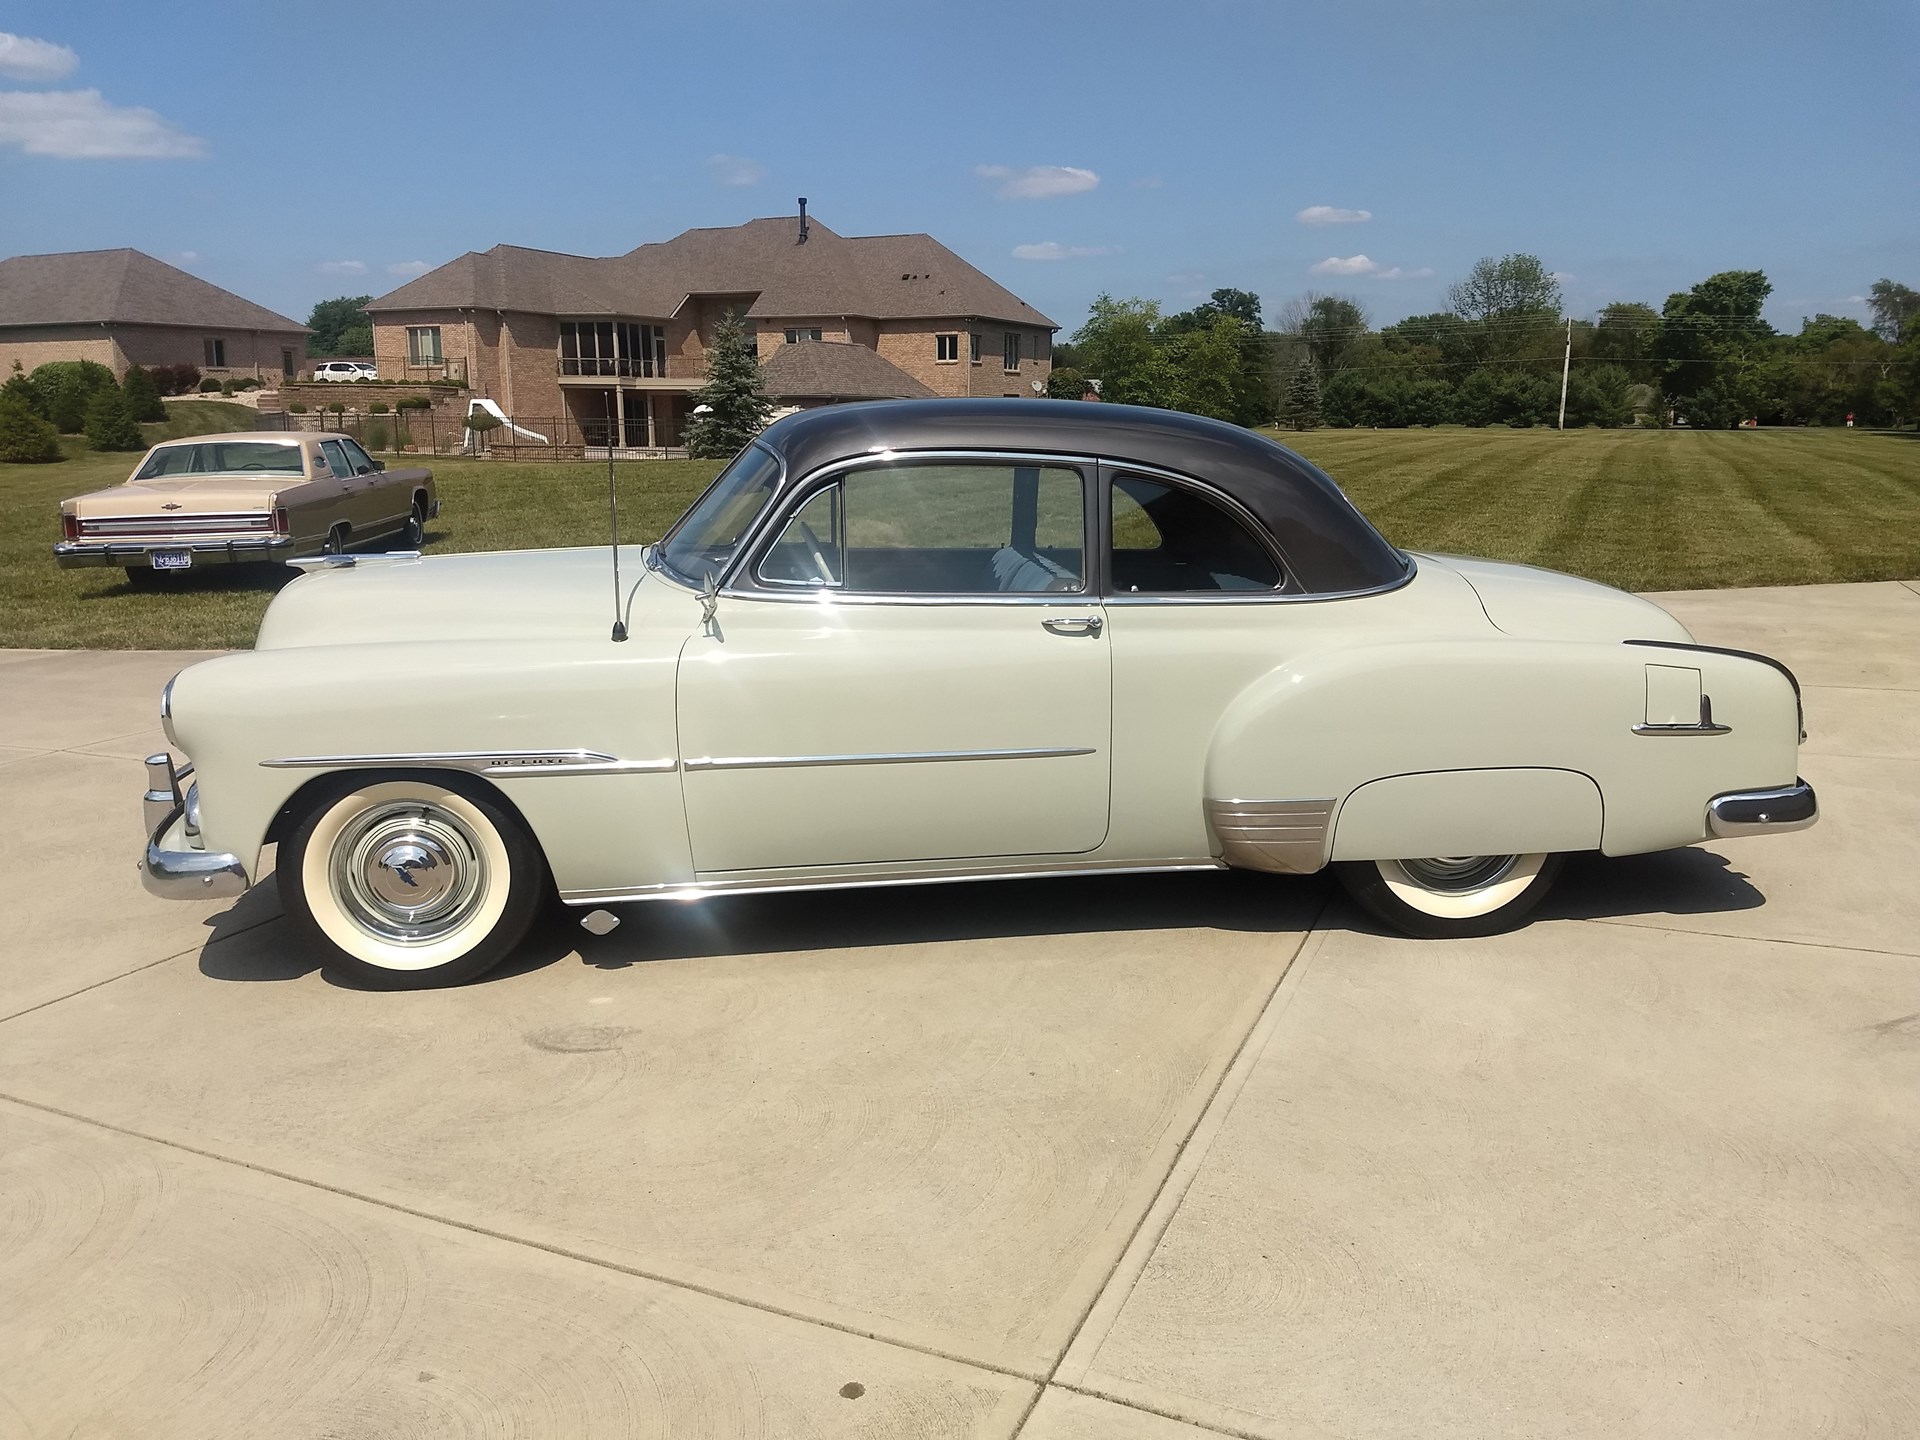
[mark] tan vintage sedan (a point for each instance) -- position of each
(248, 497)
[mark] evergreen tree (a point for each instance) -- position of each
(25, 391)
(143, 395)
(1303, 397)
(25, 437)
(110, 424)
(734, 397)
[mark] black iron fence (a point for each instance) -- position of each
(520, 437)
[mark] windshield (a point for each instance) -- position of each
(703, 543)
(222, 457)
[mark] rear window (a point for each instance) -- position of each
(222, 457)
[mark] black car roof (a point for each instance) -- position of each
(1329, 546)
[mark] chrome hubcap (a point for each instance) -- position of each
(1457, 874)
(408, 872)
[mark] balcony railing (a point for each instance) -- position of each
(674, 367)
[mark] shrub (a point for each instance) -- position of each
(375, 436)
(337, 408)
(66, 386)
(181, 379)
(143, 395)
(110, 424)
(25, 437)
(414, 402)
(378, 407)
(483, 421)
(296, 408)
(210, 386)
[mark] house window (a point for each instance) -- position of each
(1010, 350)
(946, 349)
(423, 344)
(794, 337)
(973, 347)
(216, 353)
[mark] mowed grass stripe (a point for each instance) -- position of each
(1645, 510)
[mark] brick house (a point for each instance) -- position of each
(620, 343)
(122, 308)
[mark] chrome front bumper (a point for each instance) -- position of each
(246, 550)
(189, 874)
(1763, 812)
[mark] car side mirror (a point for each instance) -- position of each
(379, 465)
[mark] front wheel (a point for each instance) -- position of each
(412, 880)
(1452, 896)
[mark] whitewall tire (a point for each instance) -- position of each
(1450, 896)
(411, 880)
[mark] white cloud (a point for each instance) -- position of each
(1038, 182)
(1348, 265)
(1053, 250)
(409, 267)
(79, 125)
(735, 170)
(1856, 300)
(186, 257)
(1560, 277)
(1147, 182)
(1332, 215)
(342, 267)
(24, 58)
(1395, 272)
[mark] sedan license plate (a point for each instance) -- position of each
(172, 559)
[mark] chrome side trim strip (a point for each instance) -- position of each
(708, 887)
(1702, 729)
(1287, 837)
(910, 757)
(484, 762)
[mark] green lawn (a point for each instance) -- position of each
(1646, 510)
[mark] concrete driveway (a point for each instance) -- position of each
(1144, 1159)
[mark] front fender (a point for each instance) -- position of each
(350, 704)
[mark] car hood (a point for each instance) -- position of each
(1536, 604)
(187, 493)
(543, 595)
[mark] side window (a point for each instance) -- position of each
(986, 528)
(1172, 540)
(362, 462)
(336, 458)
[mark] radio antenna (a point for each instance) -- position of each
(613, 513)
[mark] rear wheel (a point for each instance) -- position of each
(414, 535)
(412, 879)
(1451, 896)
(336, 541)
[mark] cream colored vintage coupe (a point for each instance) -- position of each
(922, 641)
(248, 497)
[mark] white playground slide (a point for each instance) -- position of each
(500, 415)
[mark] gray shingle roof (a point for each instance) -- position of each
(836, 370)
(883, 277)
(85, 287)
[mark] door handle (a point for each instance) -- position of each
(1073, 624)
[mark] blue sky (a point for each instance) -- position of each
(293, 152)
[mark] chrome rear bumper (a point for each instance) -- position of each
(186, 874)
(1763, 812)
(241, 550)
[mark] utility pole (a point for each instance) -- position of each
(1566, 368)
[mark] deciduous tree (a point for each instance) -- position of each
(340, 326)
(1119, 346)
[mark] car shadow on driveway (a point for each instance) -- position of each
(1690, 881)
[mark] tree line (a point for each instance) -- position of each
(1494, 356)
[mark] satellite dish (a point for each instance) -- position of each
(1039, 387)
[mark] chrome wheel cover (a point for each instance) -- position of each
(408, 872)
(1459, 874)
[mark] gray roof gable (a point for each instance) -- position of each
(87, 287)
(882, 277)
